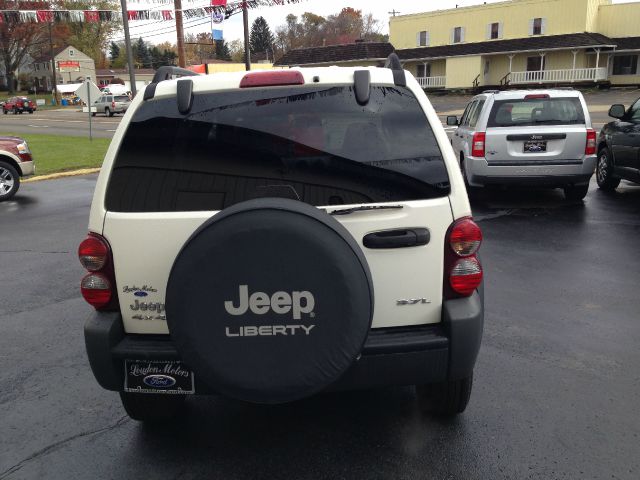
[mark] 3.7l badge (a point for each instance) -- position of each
(413, 301)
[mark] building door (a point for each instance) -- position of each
(535, 67)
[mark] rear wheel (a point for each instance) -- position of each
(9, 181)
(5, 111)
(148, 407)
(604, 172)
(576, 192)
(448, 398)
(108, 112)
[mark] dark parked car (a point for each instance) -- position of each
(619, 147)
(19, 105)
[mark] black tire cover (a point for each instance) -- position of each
(311, 301)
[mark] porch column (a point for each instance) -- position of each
(573, 70)
(511, 61)
(595, 77)
(542, 55)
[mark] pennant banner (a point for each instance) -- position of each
(218, 11)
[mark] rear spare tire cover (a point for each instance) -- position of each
(269, 301)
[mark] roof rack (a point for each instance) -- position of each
(393, 62)
(170, 72)
(491, 91)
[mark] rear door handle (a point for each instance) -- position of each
(398, 238)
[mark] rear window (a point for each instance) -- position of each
(314, 144)
(538, 111)
(121, 98)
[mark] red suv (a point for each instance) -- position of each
(19, 105)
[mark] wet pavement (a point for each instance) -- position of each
(556, 385)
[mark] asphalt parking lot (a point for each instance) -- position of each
(556, 384)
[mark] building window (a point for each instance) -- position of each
(494, 31)
(625, 65)
(423, 39)
(537, 26)
(457, 35)
(424, 70)
(71, 52)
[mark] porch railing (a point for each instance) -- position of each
(432, 82)
(554, 76)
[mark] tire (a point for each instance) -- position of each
(147, 407)
(93, 114)
(15, 111)
(5, 111)
(30, 112)
(604, 172)
(310, 331)
(108, 112)
(9, 181)
(576, 192)
(445, 399)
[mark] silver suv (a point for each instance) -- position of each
(111, 104)
(527, 137)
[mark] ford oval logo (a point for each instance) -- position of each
(159, 381)
(140, 293)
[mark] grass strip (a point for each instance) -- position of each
(54, 154)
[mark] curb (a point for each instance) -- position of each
(53, 176)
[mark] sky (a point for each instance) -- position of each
(275, 16)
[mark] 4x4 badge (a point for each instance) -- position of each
(413, 301)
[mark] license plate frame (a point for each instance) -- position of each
(534, 146)
(168, 377)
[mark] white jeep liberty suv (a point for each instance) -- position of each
(272, 235)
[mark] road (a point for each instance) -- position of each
(556, 385)
(60, 122)
(75, 123)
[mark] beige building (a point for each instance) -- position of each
(72, 66)
(522, 42)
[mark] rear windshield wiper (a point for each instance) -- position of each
(347, 211)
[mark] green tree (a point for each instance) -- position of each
(261, 39)
(141, 55)
(222, 50)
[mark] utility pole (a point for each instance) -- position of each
(245, 21)
(54, 75)
(180, 33)
(127, 43)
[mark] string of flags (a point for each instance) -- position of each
(219, 10)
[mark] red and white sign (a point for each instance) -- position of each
(68, 66)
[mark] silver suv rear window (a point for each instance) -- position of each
(121, 98)
(314, 144)
(536, 111)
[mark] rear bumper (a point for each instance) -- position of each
(391, 356)
(27, 168)
(550, 173)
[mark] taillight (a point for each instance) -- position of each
(96, 290)
(590, 147)
(93, 253)
(477, 147)
(113, 104)
(98, 287)
(272, 78)
(462, 269)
